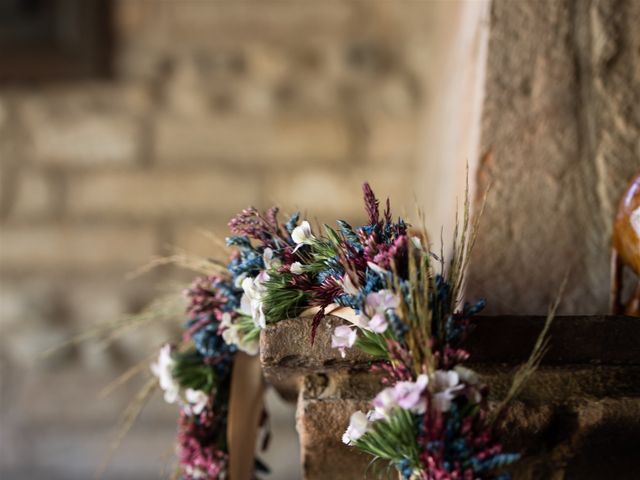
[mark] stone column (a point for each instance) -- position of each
(560, 140)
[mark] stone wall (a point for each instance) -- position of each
(214, 106)
(560, 142)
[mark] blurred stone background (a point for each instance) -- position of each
(213, 106)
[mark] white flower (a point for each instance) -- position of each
(250, 347)
(296, 268)
(195, 472)
(374, 415)
(302, 235)
(197, 400)
(376, 268)
(343, 337)
(408, 395)
(239, 279)
(635, 221)
(446, 385)
(348, 286)
(417, 242)
(358, 425)
(466, 375)
(270, 262)
(472, 381)
(162, 369)
(251, 301)
(445, 380)
(233, 336)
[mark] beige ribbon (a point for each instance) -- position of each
(334, 310)
(245, 409)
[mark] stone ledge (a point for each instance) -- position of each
(605, 340)
(577, 343)
(594, 339)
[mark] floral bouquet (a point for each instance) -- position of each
(402, 305)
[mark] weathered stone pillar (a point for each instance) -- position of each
(560, 141)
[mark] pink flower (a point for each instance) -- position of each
(375, 310)
(378, 323)
(343, 337)
(409, 396)
(384, 402)
(381, 301)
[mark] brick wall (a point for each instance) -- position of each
(215, 106)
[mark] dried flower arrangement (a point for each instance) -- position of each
(403, 307)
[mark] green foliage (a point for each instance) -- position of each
(322, 252)
(393, 438)
(373, 343)
(248, 328)
(190, 372)
(282, 299)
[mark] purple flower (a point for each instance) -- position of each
(381, 301)
(378, 323)
(409, 396)
(343, 337)
(376, 306)
(384, 402)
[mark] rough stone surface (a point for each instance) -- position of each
(584, 399)
(320, 423)
(560, 143)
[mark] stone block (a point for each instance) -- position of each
(161, 193)
(63, 247)
(392, 139)
(252, 141)
(320, 425)
(35, 195)
(206, 239)
(287, 344)
(84, 129)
